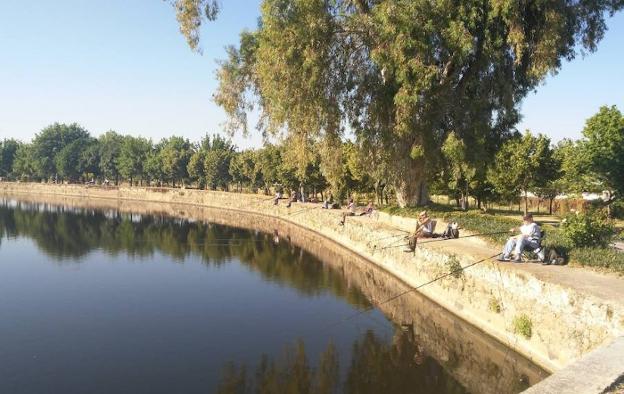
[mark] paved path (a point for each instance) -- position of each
(606, 286)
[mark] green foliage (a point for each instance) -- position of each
(600, 258)
(132, 156)
(68, 161)
(587, 229)
(195, 168)
(48, 143)
(494, 305)
(403, 74)
(461, 171)
(24, 164)
(175, 153)
(454, 267)
(576, 175)
(522, 325)
(8, 151)
(522, 164)
(604, 146)
(109, 149)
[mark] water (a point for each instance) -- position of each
(100, 300)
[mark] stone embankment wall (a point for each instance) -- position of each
(565, 323)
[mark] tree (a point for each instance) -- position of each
(461, 172)
(603, 146)
(68, 161)
(132, 156)
(110, 148)
(175, 155)
(153, 165)
(89, 160)
(268, 162)
(50, 142)
(195, 168)
(244, 169)
(521, 165)
(8, 150)
(402, 74)
(24, 164)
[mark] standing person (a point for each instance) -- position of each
(530, 236)
(328, 201)
(350, 211)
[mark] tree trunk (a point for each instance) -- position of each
(550, 206)
(526, 202)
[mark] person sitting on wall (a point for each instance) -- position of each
(530, 237)
(424, 229)
(350, 211)
(369, 209)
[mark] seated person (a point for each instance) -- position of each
(530, 237)
(425, 226)
(350, 211)
(424, 229)
(369, 209)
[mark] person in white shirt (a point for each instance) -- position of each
(530, 236)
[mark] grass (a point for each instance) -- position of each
(454, 267)
(604, 259)
(522, 325)
(494, 305)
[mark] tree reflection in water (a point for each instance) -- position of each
(376, 367)
(71, 233)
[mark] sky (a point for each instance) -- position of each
(123, 65)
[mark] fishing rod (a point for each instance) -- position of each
(466, 236)
(410, 290)
(394, 236)
(303, 210)
(448, 239)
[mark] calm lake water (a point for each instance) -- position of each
(99, 301)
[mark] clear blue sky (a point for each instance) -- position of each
(123, 65)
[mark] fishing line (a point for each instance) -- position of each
(445, 239)
(466, 236)
(303, 210)
(410, 290)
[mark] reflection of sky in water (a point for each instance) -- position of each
(100, 301)
(111, 321)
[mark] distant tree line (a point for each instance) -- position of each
(523, 163)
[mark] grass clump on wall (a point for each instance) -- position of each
(522, 325)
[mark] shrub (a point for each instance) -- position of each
(522, 325)
(494, 305)
(592, 228)
(599, 258)
(454, 267)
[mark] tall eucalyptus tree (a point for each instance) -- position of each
(400, 74)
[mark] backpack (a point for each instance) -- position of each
(452, 231)
(553, 257)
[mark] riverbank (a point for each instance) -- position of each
(552, 315)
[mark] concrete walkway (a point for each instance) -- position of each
(606, 286)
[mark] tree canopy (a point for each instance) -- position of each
(399, 74)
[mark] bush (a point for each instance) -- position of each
(603, 258)
(522, 325)
(588, 229)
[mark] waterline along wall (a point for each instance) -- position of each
(551, 324)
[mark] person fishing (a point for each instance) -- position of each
(530, 237)
(350, 211)
(424, 229)
(368, 210)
